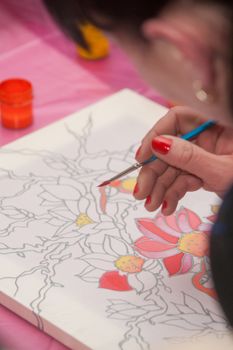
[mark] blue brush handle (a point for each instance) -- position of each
(190, 135)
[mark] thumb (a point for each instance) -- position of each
(185, 156)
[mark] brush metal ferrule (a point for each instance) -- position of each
(126, 172)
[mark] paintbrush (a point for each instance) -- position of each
(189, 136)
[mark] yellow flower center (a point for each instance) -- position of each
(195, 243)
(129, 263)
(83, 220)
(129, 184)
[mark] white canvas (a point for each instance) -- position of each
(90, 266)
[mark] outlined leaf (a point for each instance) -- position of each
(120, 317)
(196, 319)
(55, 222)
(13, 213)
(107, 225)
(142, 281)
(100, 261)
(43, 239)
(216, 318)
(22, 255)
(63, 214)
(90, 274)
(176, 322)
(218, 326)
(115, 246)
(193, 304)
(3, 246)
(67, 181)
(89, 279)
(48, 197)
(183, 309)
(65, 257)
(56, 165)
(135, 283)
(153, 266)
(62, 192)
(58, 285)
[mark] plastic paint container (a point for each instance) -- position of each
(16, 98)
(97, 42)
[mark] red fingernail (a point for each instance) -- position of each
(136, 189)
(161, 144)
(165, 205)
(138, 152)
(148, 200)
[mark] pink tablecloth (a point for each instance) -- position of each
(32, 47)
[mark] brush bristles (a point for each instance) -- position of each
(105, 183)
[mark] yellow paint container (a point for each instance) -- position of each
(97, 42)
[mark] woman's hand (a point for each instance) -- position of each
(183, 166)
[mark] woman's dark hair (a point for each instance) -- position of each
(111, 15)
(128, 15)
(105, 14)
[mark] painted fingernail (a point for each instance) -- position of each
(161, 144)
(165, 205)
(136, 189)
(148, 200)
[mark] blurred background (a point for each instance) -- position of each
(32, 47)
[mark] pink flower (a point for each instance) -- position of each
(176, 239)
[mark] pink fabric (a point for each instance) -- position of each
(32, 47)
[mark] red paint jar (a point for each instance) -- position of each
(16, 103)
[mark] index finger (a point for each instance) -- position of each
(178, 121)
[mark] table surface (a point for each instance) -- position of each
(32, 47)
